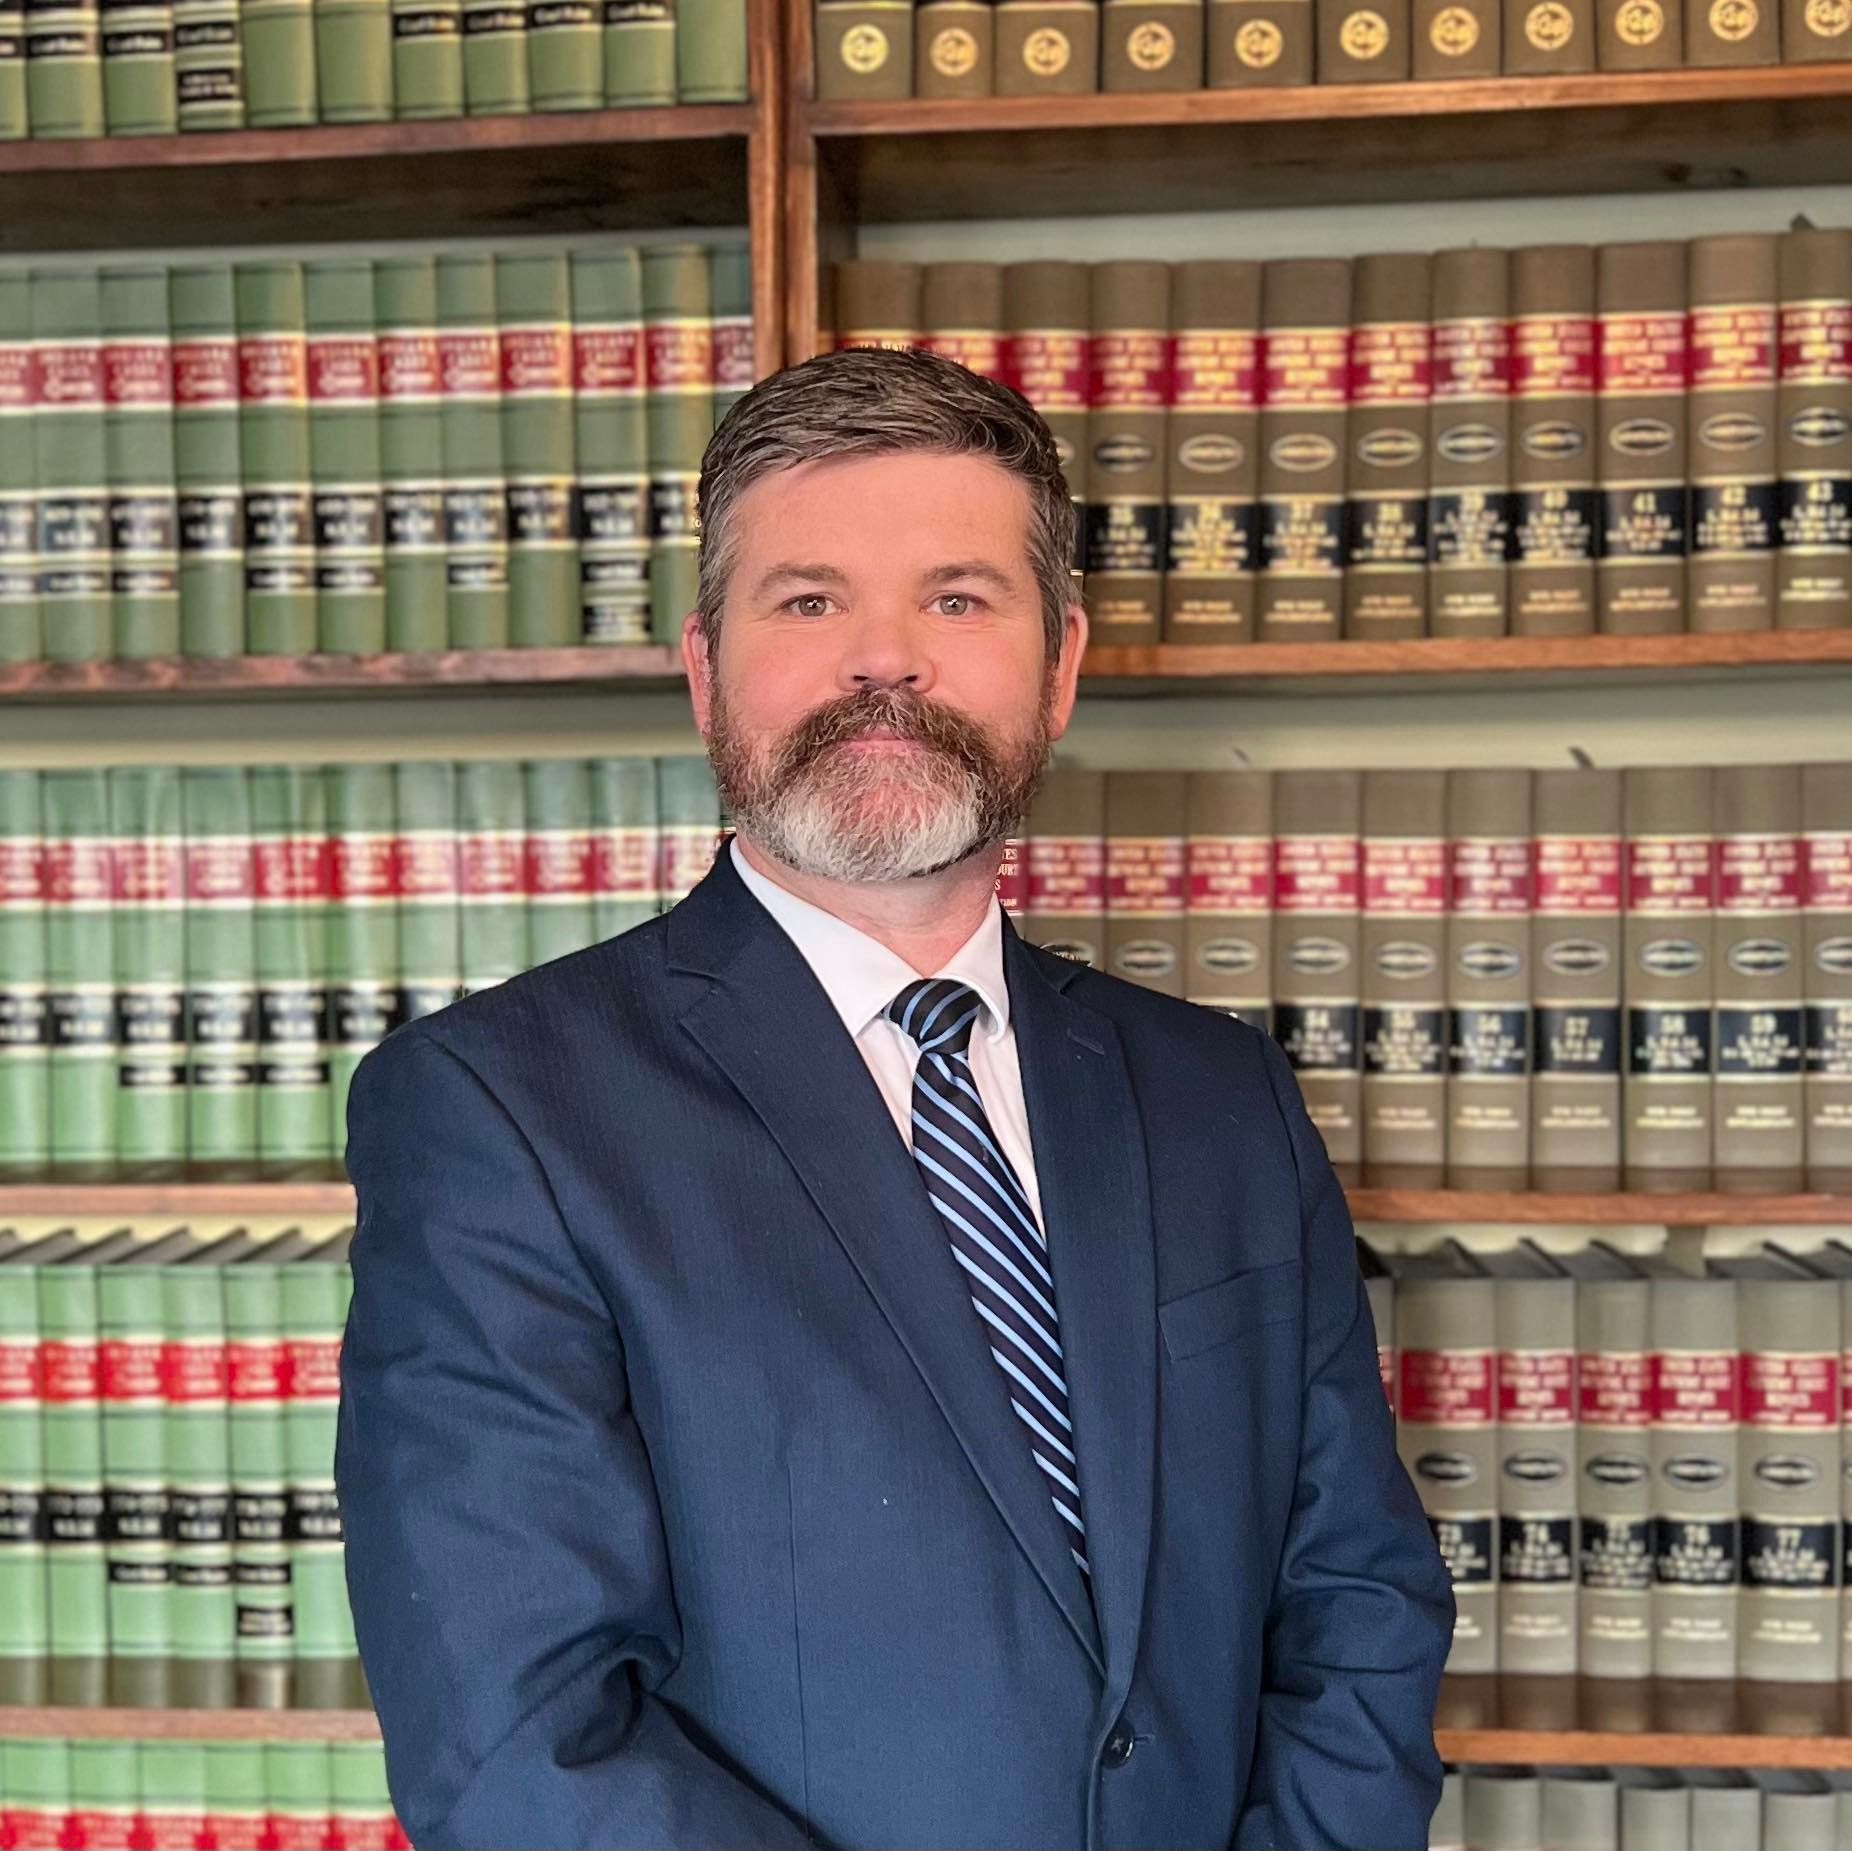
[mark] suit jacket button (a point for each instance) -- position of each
(1118, 1749)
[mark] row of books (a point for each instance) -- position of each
(171, 1531)
(1641, 1809)
(882, 50)
(1634, 438)
(112, 1795)
(355, 454)
(1493, 978)
(193, 960)
(83, 68)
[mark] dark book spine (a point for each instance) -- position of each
(1048, 47)
(1151, 45)
(1639, 35)
(69, 434)
(1455, 38)
(1362, 44)
(1813, 573)
(469, 364)
(1549, 38)
(954, 48)
(1732, 32)
(877, 303)
(678, 376)
(1826, 898)
(961, 315)
(20, 637)
(411, 452)
(1259, 44)
(1814, 31)
(864, 50)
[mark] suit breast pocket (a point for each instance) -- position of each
(1217, 1313)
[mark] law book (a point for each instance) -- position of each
(363, 926)
(427, 59)
(1639, 35)
(411, 452)
(1826, 916)
(13, 123)
(1760, 1035)
(1670, 984)
(1548, 38)
(1503, 1806)
(1306, 309)
(495, 58)
(729, 268)
(105, 1782)
(954, 48)
(20, 637)
(1554, 517)
(1800, 1811)
(1228, 883)
(208, 66)
(208, 459)
(1735, 497)
(565, 54)
(1128, 393)
(64, 70)
(469, 365)
(361, 1804)
(625, 844)
(298, 1793)
(1814, 30)
(1581, 1808)
(639, 52)
(1066, 911)
(690, 822)
(148, 898)
(1640, 435)
(611, 441)
(1013, 877)
(710, 51)
(961, 315)
(1145, 821)
(1317, 997)
(1655, 1810)
(1576, 982)
(80, 968)
(1259, 44)
(71, 442)
(138, 443)
(1212, 469)
(1048, 47)
(1490, 888)
(1813, 569)
(347, 506)
(879, 303)
(236, 1810)
(279, 63)
(279, 514)
(1402, 963)
(491, 894)
(173, 1792)
(37, 1776)
(678, 383)
(558, 856)
(1151, 45)
(1048, 317)
(1362, 44)
(864, 50)
(221, 964)
(1469, 469)
(25, 1009)
(1732, 32)
(1447, 1432)
(426, 869)
(136, 39)
(1832, 1261)
(1455, 38)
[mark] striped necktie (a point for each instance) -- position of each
(992, 1230)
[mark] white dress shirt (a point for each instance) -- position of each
(861, 977)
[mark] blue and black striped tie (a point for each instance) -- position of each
(992, 1230)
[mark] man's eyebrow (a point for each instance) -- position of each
(971, 568)
(787, 570)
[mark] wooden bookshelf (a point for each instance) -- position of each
(191, 1725)
(1590, 1748)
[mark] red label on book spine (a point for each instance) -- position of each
(1230, 874)
(678, 356)
(1671, 874)
(1303, 369)
(687, 854)
(1578, 874)
(1049, 367)
(1816, 343)
(1129, 370)
(220, 868)
(343, 369)
(1614, 1388)
(363, 867)
(1404, 879)
(1798, 1393)
(1733, 346)
(293, 867)
(71, 1372)
(491, 866)
(607, 362)
(1758, 874)
(206, 374)
(32, 1828)
(537, 361)
(148, 868)
(1643, 354)
(1826, 862)
(273, 369)
(1215, 369)
(312, 1368)
(195, 1370)
(1471, 359)
(131, 1368)
(1536, 1388)
(469, 362)
(624, 863)
(18, 377)
(1492, 877)
(23, 879)
(1013, 876)
(980, 350)
(1144, 875)
(138, 373)
(22, 1372)
(1317, 874)
(409, 372)
(1446, 1388)
(559, 861)
(69, 375)
(1553, 356)
(1067, 874)
(1697, 1388)
(77, 871)
(734, 363)
(254, 1369)
(1390, 364)
(170, 1830)
(428, 866)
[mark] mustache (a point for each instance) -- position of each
(892, 712)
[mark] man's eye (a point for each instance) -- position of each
(965, 601)
(808, 603)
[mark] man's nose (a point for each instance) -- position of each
(885, 648)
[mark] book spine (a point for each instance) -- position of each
(1548, 38)
(1555, 527)
(639, 52)
(559, 857)
(1048, 47)
(236, 1810)
(1469, 471)
(678, 375)
(148, 898)
(138, 429)
(347, 509)
(469, 361)
(1259, 44)
(279, 63)
(1403, 922)
(427, 876)
(1013, 877)
(173, 1794)
(495, 57)
(1813, 571)
(1048, 315)
(710, 51)
(208, 66)
(1212, 469)
(14, 125)
(961, 315)
(77, 1585)
(208, 460)
(24, 1621)
(103, 1795)
(64, 69)
(21, 639)
(1066, 910)
(25, 1010)
(263, 1598)
(1639, 35)
(298, 1795)
(80, 966)
(221, 965)
(1455, 38)
(1732, 32)
(878, 303)
(730, 288)
(411, 452)
(1813, 31)
(690, 825)
(626, 848)
(1228, 883)
(1491, 888)
(1145, 879)
(1306, 363)
(1366, 44)
(137, 44)
(279, 513)
(73, 538)
(1826, 900)
(491, 894)
(1151, 45)
(1128, 395)
(362, 1803)
(37, 1776)
(1317, 896)
(954, 48)
(1735, 498)
(1640, 426)
(1613, 1400)
(427, 59)
(1845, 1479)
(310, 1289)
(363, 926)
(565, 54)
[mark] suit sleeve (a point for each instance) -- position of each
(506, 1559)
(1361, 1615)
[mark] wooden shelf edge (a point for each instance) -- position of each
(191, 1725)
(1587, 1748)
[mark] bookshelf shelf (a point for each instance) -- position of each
(1589, 1748)
(191, 1725)
(1683, 1210)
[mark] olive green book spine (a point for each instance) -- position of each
(363, 926)
(1813, 573)
(559, 857)
(690, 823)
(864, 50)
(208, 466)
(237, 1805)
(298, 1790)
(533, 296)
(80, 965)
(730, 288)
(1151, 45)
(1048, 47)
(105, 1788)
(64, 70)
(1455, 38)
(362, 1802)
(138, 429)
(426, 868)
(1228, 894)
(1362, 44)
(1548, 38)
(37, 1776)
(1145, 822)
(879, 302)
(626, 844)
(611, 440)
(14, 125)
(1065, 908)
(427, 61)
(289, 830)
(1047, 315)
(344, 457)
(1639, 35)
(140, 95)
(25, 1623)
(150, 936)
(710, 51)
(495, 57)
(1826, 849)
(173, 1792)
(475, 490)
(279, 523)
(638, 52)
(208, 65)
(1732, 32)
(1213, 466)
(279, 63)
(1129, 358)
(565, 54)
(955, 48)
(25, 1008)
(678, 372)
(73, 541)
(353, 60)
(221, 964)
(1815, 31)
(411, 452)
(961, 315)
(1259, 44)
(21, 639)
(491, 870)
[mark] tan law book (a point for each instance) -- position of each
(1813, 571)
(954, 48)
(1732, 32)
(1151, 45)
(1815, 31)
(1145, 820)
(877, 303)
(1826, 889)
(864, 50)
(1228, 906)
(1066, 860)
(1047, 322)
(1362, 41)
(1048, 47)
(1258, 44)
(961, 314)
(1549, 38)
(1455, 38)
(1639, 35)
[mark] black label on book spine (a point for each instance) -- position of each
(72, 524)
(22, 1518)
(1734, 517)
(1817, 513)
(1491, 1043)
(1538, 1550)
(1465, 1544)
(1554, 526)
(348, 520)
(422, 999)
(201, 1519)
(476, 517)
(1617, 1554)
(361, 1014)
(1790, 1553)
(1219, 539)
(1404, 1039)
(1829, 1041)
(141, 42)
(148, 1015)
(279, 520)
(1766, 1042)
(413, 519)
(1123, 536)
(212, 523)
(1668, 1039)
(1302, 537)
(540, 513)
(1388, 531)
(135, 1516)
(672, 512)
(221, 1018)
(25, 1018)
(140, 1574)
(1643, 523)
(1318, 1037)
(202, 1574)
(86, 1020)
(73, 1518)
(292, 1013)
(1581, 1040)
(1695, 1551)
(637, 12)
(18, 529)
(613, 512)
(427, 22)
(258, 1517)
(481, 21)
(314, 1517)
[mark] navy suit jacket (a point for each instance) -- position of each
(682, 1506)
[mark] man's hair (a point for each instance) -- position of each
(877, 401)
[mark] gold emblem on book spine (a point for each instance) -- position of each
(1150, 46)
(1046, 51)
(1734, 20)
(1550, 26)
(1259, 44)
(1828, 19)
(1364, 36)
(864, 49)
(1640, 22)
(954, 52)
(1454, 31)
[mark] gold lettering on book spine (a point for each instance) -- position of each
(864, 49)
(954, 52)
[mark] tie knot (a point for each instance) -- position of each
(938, 1013)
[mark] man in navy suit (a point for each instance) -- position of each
(823, 1372)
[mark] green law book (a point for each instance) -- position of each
(20, 636)
(73, 538)
(678, 344)
(612, 441)
(533, 299)
(173, 1794)
(298, 1787)
(710, 51)
(80, 965)
(730, 284)
(565, 54)
(475, 489)
(13, 123)
(363, 927)
(289, 830)
(353, 60)
(150, 963)
(491, 888)
(559, 857)
(208, 65)
(427, 59)
(105, 1791)
(221, 964)
(25, 1008)
(411, 451)
(35, 1776)
(425, 855)
(689, 808)
(344, 460)
(64, 70)
(363, 1814)
(208, 465)
(495, 57)
(137, 42)
(639, 52)
(237, 1802)
(138, 442)
(279, 63)
(273, 435)
(626, 844)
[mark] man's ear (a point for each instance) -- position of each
(1067, 668)
(695, 665)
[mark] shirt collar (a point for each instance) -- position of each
(859, 974)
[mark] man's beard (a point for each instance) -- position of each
(877, 815)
